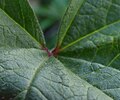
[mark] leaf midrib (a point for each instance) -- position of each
(89, 34)
(34, 76)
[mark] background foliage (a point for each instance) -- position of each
(49, 13)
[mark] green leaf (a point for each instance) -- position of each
(28, 74)
(13, 35)
(89, 43)
(103, 77)
(22, 14)
(87, 67)
(94, 32)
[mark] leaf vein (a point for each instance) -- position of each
(34, 76)
(88, 35)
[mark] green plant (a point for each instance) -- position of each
(84, 65)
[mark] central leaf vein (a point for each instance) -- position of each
(34, 76)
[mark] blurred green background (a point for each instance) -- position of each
(49, 13)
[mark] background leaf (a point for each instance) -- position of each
(49, 13)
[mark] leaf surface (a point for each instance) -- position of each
(89, 43)
(103, 77)
(21, 12)
(13, 35)
(88, 65)
(31, 75)
(94, 32)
